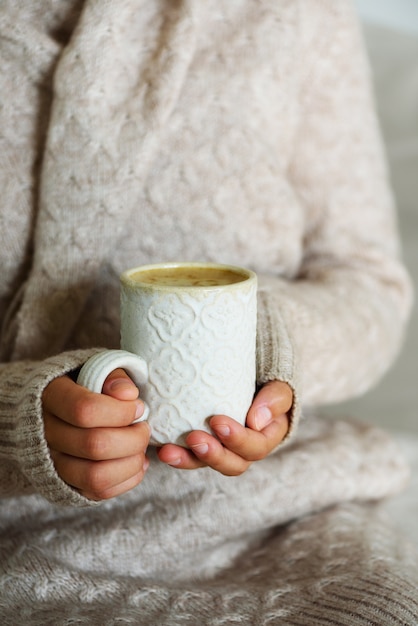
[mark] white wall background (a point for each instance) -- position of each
(399, 14)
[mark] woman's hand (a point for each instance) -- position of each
(93, 443)
(235, 447)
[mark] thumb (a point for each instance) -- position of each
(120, 386)
(273, 401)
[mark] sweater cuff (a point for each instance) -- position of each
(275, 355)
(22, 443)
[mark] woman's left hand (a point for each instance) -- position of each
(234, 447)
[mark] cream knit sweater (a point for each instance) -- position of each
(238, 131)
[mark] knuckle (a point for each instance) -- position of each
(85, 410)
(95, 445)
(97, 480)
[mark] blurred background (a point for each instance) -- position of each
(391, 34)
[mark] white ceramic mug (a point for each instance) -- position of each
(188, 334)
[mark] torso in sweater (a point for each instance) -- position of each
(217, 187)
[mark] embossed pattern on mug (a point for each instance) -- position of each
(207, 344)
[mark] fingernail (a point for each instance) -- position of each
(139, 411)
(175, 461)
(200, 448)
(146, 464)
(223, 430)
(263, 417)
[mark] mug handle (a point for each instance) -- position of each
(98, 367)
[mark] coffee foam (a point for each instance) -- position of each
(188, 276)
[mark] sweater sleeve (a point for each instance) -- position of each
(28, 54)
(25, 463)
(334, 328)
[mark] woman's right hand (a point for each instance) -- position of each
(94, 445)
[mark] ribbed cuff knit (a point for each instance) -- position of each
(26, 465)
(275, 354)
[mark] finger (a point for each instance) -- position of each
(120, 386)
(76, 405)
(212, 453)
(272, 401)
(118, 490)
(179, 457)
(96, 444)
(247, 443)
(99, 480)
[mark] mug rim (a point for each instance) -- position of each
(247, 274)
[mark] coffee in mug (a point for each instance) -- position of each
(188, 276)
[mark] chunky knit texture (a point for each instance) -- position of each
(239, 132)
